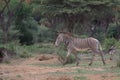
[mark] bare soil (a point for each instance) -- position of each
(48, 67)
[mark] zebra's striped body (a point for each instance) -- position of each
(77, 44)
(82, 44)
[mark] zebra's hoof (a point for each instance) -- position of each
(104, 64)
(77, 64)
(90, 64)
(110, 58)
(64, 64)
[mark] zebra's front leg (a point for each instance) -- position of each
(93, 56)
(66, 59)
(77, 59)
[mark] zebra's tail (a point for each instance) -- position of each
(100, 47)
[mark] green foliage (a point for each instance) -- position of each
(1, 36)
(112, 30)
(25, 54)
(13, 34)
(80, 14)
(23, 12)
(84, 12)
(26, 25)
(21, 51)
(80, 78)
(7, 20)
(46, 34)
(117, 44)
(67, 6)
(100, 36)
(47, 48)
(109, 42)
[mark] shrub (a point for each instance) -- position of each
(26, 25)
(45, 34)
(100, 36)
(117, 44)
(21, 51)
(109, 42)
(112, 32)
(25, 54)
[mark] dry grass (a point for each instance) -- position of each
(48, 67)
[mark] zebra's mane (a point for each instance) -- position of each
(67, 34)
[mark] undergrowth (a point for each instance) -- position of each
(24, 51)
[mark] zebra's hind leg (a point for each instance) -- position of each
(93, 56)
(101, 54)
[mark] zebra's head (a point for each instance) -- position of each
(59, 39)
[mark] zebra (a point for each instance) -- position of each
(74, 44)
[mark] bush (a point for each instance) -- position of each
(26, 25)
(21, 51)
(109, 42)
(99, 34)
(112, 31)
(47, 50)
(25, 54)
(117, 44)
(46, 34)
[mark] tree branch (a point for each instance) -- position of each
(7, 2)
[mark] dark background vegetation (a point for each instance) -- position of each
(31, 21)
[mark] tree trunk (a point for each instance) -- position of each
(5, 36)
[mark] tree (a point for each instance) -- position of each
(26, 24)
(86, 16)
(6, 16)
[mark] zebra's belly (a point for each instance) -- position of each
(81, 49)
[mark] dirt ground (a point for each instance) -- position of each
(47, 67)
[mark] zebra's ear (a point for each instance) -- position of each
(58, 32)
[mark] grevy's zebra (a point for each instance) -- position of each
(77, 44)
